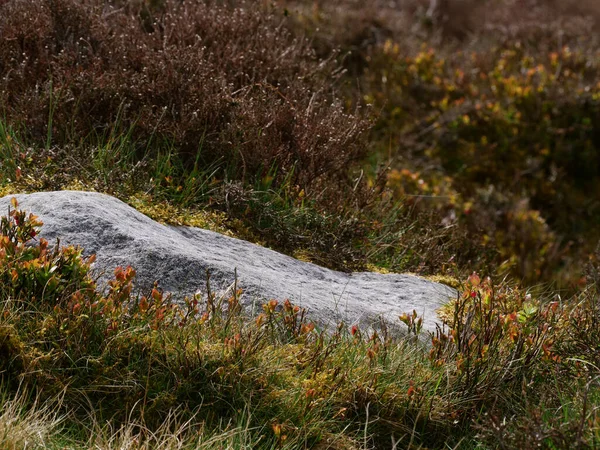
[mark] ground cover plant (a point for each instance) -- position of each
(204, 374)
(487, 115)
(436, 137)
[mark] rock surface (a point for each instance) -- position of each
(180, 256)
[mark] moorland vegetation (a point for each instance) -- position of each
(450, 138)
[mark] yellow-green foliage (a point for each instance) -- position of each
(165, 212)
(512, 132)
(141, 358)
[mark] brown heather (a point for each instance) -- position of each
(102, 95)
(229, 85)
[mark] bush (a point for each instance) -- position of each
(511, 136)
(227, 85)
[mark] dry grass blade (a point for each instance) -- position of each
(27, 424)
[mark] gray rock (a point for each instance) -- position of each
(180, 256)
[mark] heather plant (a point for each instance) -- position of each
(229, 81)
(223, 115)
(171, 101)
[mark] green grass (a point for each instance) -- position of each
(142, 372)
(157, 181)
(266, 142)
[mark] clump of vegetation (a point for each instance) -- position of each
(175, 101)
(479, 153)
(144, 363)
(228, 86)
(512, 132)
(487, 116)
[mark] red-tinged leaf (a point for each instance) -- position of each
(276, 429)
(474, 279)
(272, 305)
(156, 295)
(260, 319)
(143, 304)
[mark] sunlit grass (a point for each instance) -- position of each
(142, 372)
(27, 422)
